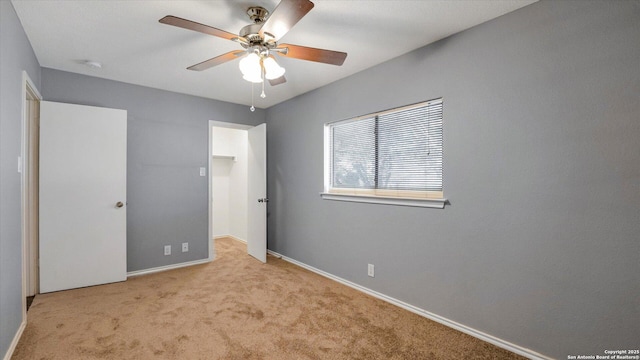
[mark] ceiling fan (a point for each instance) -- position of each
(260, 41)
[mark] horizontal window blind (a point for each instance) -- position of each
(354, 153)
(399, 149)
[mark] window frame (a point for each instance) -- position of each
(431, 199)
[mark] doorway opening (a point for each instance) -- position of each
(229, 183)
(237, 186)
(29, 166)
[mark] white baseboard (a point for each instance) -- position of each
(16, 339)
(416, 310)
(230, 237)
(166, 267)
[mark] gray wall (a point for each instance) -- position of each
(16, 55)
(167, 142)
(540, 245)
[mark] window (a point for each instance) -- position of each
(392, 157)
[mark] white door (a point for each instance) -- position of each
(83, 154)
(257, 193)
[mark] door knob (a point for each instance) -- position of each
(119, 204)
(263, 200)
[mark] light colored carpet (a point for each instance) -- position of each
(235, 308)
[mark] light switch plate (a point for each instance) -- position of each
(203, 171)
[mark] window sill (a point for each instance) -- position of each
(428, 203)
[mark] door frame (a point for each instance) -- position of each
(27, 192)
(212, 124)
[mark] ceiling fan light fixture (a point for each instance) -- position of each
(251, 68)
(272, 69)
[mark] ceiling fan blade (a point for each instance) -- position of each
(312, 54)
(284, 16)
(221, 59)
(192, 25)
(278, 81)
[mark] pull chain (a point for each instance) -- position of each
(263, 94)
(252, 108)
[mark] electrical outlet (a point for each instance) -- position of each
(167, 249)
(370, 270)
(185, 247)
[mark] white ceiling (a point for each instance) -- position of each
(133, 47)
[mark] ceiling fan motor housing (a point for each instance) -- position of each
(250, 32)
